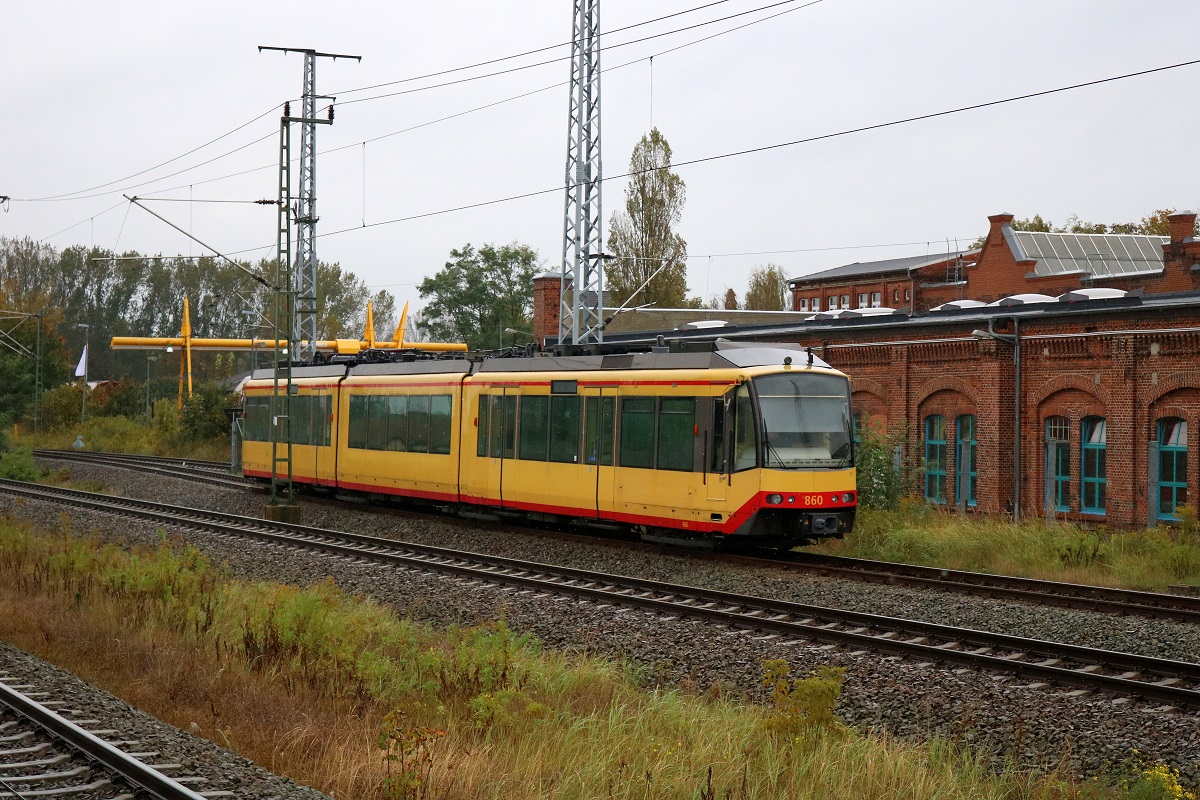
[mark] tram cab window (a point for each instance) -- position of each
(806, 420)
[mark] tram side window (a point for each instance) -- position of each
(564, 429)
(377, 418)
(637, 432)
(745, 454)
(598, 430)
(356, 436)
(534, 439)
(676, 433)
(257, 427)
(418, 424)
(441, 408)
(299, 410)
(397, 424)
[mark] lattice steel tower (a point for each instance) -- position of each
(304, 276)
(581, 298)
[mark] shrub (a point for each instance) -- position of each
(803, 706)
(18, 465)
(882, 483)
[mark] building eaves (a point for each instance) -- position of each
(860, 269)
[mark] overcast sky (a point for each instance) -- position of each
(96, 92)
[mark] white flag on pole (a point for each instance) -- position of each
(81, 370)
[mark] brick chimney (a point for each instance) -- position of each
(1183, 226)
(995, 235)
(1182, 253)
(546, 289)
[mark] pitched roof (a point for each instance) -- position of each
(862, 269)
(1103, 255)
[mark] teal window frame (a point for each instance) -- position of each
(1093, 497)
(935, 459)
(965, 429)
(1058, 429)
(1172, 461)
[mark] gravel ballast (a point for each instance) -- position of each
(1033, 726)
(223, 770)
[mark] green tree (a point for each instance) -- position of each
(767, 290)
(1036, 223)
(643, 237)
(479, 293)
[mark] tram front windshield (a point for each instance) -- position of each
(806, 420)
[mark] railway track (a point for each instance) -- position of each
(214, 472)
(1172, 684)
(1154, 605)
(49, 750)
(1180, 608)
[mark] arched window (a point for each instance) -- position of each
(1172, 466)
(964, 487)
(1058, 464)
(935, 458)
(1094, 497)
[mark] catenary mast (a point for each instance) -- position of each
(581, 296)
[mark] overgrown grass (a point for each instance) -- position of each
(161, 436)
(339, 693)
(917, 534)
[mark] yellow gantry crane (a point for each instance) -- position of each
(186, 343)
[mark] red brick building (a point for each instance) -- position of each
(1080, 405)
(1010, 262)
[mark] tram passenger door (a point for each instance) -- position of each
(713, 447)
(315, 429)
(599, 421)
(501, 442)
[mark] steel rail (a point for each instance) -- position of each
(202, 473)
(1103, 599)
(96, 749)
(1159, 680)
(1180, 608)
(199, 463)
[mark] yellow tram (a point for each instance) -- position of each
(745, 442)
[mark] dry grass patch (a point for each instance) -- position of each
(340, 694)
(1148, 559)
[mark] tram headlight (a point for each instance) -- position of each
(774, 499)
(847, 497)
